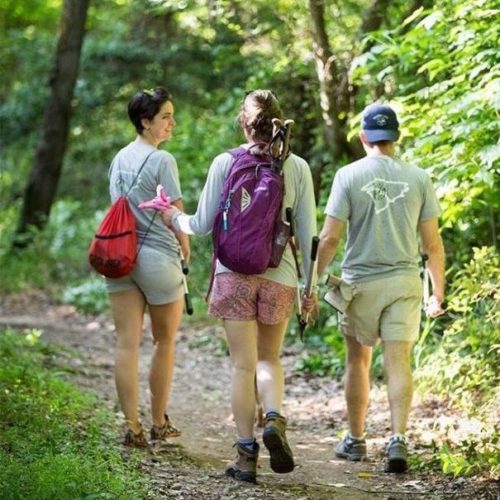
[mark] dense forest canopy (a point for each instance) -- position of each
(436, 62)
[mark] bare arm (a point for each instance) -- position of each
(181, 237)
(329, 239)
(432, 245)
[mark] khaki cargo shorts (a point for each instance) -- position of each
(384, 309)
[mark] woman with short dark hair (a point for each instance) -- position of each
(156, 280)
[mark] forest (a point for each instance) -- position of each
(70, 66)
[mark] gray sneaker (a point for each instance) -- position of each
(397, 455)
(351, 449)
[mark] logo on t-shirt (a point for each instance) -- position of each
(383, 192)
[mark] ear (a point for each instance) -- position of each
(248, 133)
(145, 123)
(362, 137)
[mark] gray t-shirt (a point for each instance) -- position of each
(383, 200)
(299, 195)
(160, 168)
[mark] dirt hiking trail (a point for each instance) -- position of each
(192, 466)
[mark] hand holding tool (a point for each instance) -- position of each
(187, 297)
(304, 317)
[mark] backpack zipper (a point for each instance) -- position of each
(227, 205)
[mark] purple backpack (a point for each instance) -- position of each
(248, 233)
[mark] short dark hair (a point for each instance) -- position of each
(380, 143)
(146, 104)
(257, 111)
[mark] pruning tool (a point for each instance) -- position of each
(426, 285)
(304, 316)
(289, 221)
(185, 272)
(279, 146)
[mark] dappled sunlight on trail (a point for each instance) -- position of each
(200, 407)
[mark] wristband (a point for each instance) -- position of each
(175, 220)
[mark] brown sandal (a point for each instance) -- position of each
(135, 440)
(165, 431)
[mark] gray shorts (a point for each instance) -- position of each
(384, 309)
(156, 274)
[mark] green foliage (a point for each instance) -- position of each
(477, 455)
(463, 364)
(58, 254)
(56, 442)
(472, 457)
(320, 363)
(442, 67)
(89, 297)
(324, 347)
(24, 29)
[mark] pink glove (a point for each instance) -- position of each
(160, 203)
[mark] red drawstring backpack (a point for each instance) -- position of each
(113, 250)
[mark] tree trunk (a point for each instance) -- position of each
(336, 91)
(329, 76)
(44, 177)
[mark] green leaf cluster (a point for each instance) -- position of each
(441, 66)
(463, 363)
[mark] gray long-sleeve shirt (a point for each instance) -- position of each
(299, 195)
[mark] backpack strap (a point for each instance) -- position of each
(136, 175)
(291, 241)
(235, 153)
(128, 191)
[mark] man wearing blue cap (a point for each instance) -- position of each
(386, 204)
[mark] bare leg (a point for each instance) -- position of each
(270, 378)
(165, 320)
(242, 339)
(128, 314)
(397, 362)
(357, 384)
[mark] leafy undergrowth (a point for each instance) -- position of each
(55, 441)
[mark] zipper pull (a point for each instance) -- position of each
(227, 205)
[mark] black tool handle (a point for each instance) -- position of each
(189, 305)
(314, 248)
(289, 219)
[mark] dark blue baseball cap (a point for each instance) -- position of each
(380, 123)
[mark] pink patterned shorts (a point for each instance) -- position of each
(244, 298)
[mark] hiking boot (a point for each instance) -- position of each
(397, 455)
(274, 437)
(135, 440)
(351, 448)
(165, 431)
(244, 466)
